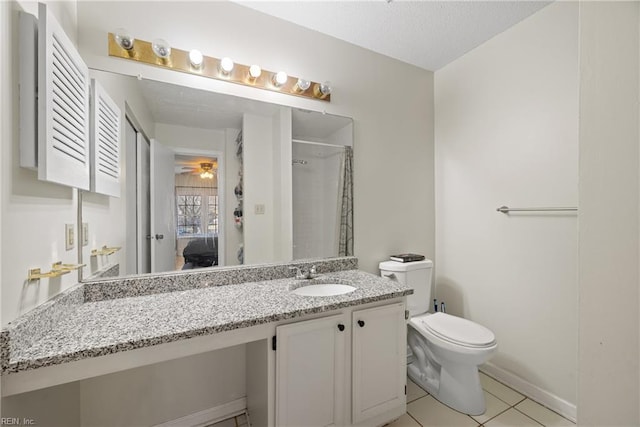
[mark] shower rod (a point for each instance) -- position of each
(324, 144)
(506, 209)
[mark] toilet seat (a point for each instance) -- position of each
(455, 330)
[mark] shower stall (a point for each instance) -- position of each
(322, 200)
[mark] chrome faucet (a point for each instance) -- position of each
(305, 274)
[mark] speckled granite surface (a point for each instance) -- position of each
(78, 330)
(192, 279)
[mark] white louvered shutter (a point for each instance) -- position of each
(105, 142)
(63, 106)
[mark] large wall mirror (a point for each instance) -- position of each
(214, 180)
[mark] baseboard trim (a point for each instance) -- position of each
(543, 397)
(209, 416)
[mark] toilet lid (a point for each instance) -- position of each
(458, 330)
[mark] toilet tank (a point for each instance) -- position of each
(416, 275)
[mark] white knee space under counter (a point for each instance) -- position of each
(113, 330)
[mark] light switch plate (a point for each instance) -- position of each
(85, 233)
(69, 237)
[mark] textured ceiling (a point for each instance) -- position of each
(428, 34)
(185, 106)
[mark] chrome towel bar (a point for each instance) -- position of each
(506, 209)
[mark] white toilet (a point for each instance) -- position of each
(446, 349)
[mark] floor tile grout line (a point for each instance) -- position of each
(498, 414)
(420, 397)
(545, 407)
(528, 416)
(472, 419)
(503, 401)
(412, 417)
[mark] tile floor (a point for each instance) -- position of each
(505, 408)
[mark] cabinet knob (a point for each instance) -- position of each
(340, 327)
(361, 323)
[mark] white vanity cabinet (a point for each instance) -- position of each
(379, 361)
(310, 372)
(319, 361)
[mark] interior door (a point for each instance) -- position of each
(143, 206)
(163, 228)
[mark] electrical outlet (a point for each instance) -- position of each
(259, 209)
(85, 233)
(69, 237)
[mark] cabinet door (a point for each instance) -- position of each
(379, 360)
(310, 373)
(105, 142)
(63, 106)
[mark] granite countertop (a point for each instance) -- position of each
(96, 328)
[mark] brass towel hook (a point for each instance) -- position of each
(106, 250)
(59, 266)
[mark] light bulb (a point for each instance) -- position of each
(124, 39)
(322, 90)
(196, 58)
(254, 71)
(161, 48)
(302, 85)
(226, 65)
(280, 78)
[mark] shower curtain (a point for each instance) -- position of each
(345, 240)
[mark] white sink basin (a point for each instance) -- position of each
(323, 290)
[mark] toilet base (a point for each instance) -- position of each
(459, 389)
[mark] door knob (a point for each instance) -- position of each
(361, 323)
(149, 237)
(159, 236)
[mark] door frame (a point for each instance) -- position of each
(222, 202)
(141, 136)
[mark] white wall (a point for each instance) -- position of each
(282, 185)
(507, 133)
(57, 406)
(384, 154)
(165, 391)
(343, 136)
(33, 213)
(608, 357)
(258, 175)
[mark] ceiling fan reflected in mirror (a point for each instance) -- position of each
(205, 170)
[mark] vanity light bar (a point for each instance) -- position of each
(178, 60)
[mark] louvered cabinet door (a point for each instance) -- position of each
(63, 107)
(105, 142)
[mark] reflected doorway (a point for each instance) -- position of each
(197, 211)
